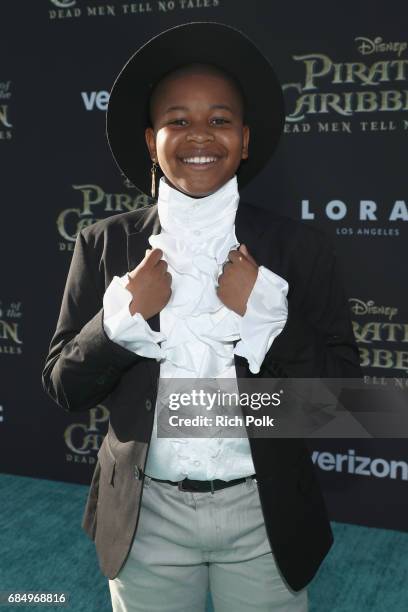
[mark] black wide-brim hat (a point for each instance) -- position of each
(199, 41)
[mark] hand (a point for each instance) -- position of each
(149, 284)
(237, 280)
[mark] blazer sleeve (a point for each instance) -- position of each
(317, 340)
(83, 365)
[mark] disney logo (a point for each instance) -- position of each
(358, 307)
(367, 46)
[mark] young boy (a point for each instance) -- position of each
(174, 517)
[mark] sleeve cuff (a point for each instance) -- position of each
(264, 318)
(130, 331)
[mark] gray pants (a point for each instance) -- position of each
(187, 543)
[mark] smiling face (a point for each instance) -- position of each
(197, 114)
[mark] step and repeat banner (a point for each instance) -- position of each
(340, 166)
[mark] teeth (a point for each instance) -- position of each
(199, 160)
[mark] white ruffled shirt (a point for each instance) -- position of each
(196, 329)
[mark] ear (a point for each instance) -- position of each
(245, 141)
(151, 142)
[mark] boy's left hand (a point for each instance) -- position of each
(237, 279)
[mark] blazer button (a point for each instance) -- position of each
(148, 404)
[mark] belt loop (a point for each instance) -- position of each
(212, 487)
(180, 485)
(147, 480)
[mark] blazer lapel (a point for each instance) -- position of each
(247, 231)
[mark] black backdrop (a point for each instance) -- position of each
(345, 82)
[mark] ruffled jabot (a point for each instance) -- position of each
(196, 237)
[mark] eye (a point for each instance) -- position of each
(221, 119)
(176, 121)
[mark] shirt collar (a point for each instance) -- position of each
(212, 215)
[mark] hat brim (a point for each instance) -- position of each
(208, 42)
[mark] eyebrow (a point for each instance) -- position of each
(185, 108)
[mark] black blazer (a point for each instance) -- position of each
(85, 368)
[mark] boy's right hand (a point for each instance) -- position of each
(149, 284)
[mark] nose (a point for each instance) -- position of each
(199, 133)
